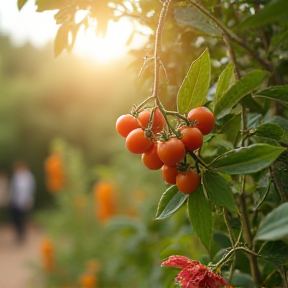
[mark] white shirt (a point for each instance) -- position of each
(22, 189)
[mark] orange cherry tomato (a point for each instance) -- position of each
(125, 124)
(187, 182)
(204, 117)
(169, 174)
(171, 152)
(158, 120)
(192, 138)
(151, 159)
(136, 142)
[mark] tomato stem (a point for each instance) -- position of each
(138, 107)
(177, 114)
(151, 118)
(197, 160)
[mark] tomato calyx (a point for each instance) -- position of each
(149, 134)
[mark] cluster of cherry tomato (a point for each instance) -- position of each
(145, 134)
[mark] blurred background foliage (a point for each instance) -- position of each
(106, 217)
(72, 98)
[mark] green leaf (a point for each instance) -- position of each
(231, 128)
(276, 93)
(21, 3)
(240, 279)
(246, 160)
(275, 251)
(275, 225)
(280, 121)
(170, 202)
(278, 40)
(200, 215)
(269, 14)
(61, 39)
(237, 91)
(226, 79)
(280, 175)
(193, 90)
(191, 16)
(218, 190)
(273, 131)
(265, 140)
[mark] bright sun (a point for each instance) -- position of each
(107, 48)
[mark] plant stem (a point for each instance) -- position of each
(247, 234)
(231, 237)
(227, 256)
(143, 103)
(157, 62)
(157, 49)
(264, 197)
(174, 113)
(248, 237)
(197, 159)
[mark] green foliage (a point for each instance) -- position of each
(275, 251)
(171, 200)
(191, 16)
(246, 160)
(277, 93)
(226, 79)
(200, 215)
(269, 14)
(237, 91)
(272, 131)
(193, 90)
(274, 225)
(219, 191)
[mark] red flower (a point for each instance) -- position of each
(194, 274)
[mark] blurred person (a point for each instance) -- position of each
(22, 191)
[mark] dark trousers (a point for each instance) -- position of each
(18, 217)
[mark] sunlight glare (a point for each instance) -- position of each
(107, 48)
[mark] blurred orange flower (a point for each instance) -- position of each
(194, 274)
(104, 196)
(87, 280)
(47, 251)
(54, 172)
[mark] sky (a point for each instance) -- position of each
(26, 25)
(37, 28)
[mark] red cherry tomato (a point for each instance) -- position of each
(158, 120)
(169, 174)
(192, 138)
(171, 152)
(136, 142)
(125, 124)
(187, 182)
(151, 159)
(204, 117)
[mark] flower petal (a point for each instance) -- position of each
(194, 274)
(199, 276)
(179, 261)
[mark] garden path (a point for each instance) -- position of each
(17, 260)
